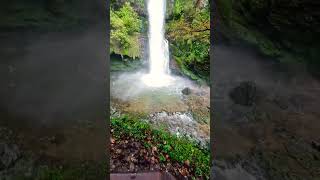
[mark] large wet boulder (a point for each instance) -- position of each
(246, 93)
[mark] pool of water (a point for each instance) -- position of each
(164, 105)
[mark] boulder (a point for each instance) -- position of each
(186, 91)
(246, 93)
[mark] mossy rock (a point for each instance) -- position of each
(125, 64)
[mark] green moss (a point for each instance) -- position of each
(122, 66)
(201, 80)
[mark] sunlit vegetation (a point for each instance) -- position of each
(125, 28)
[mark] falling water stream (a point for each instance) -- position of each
(158, 46)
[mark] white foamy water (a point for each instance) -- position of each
(158, 46)
(134, 85)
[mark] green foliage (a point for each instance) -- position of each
(189, 35)
(138, 5)
(178, 7)
(125, 28)
(179, 149)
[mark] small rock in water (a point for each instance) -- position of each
(186, 91)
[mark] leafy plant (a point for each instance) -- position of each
(189, 36)
(125, 28)
(178, 149)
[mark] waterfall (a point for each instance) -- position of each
(158, 45)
